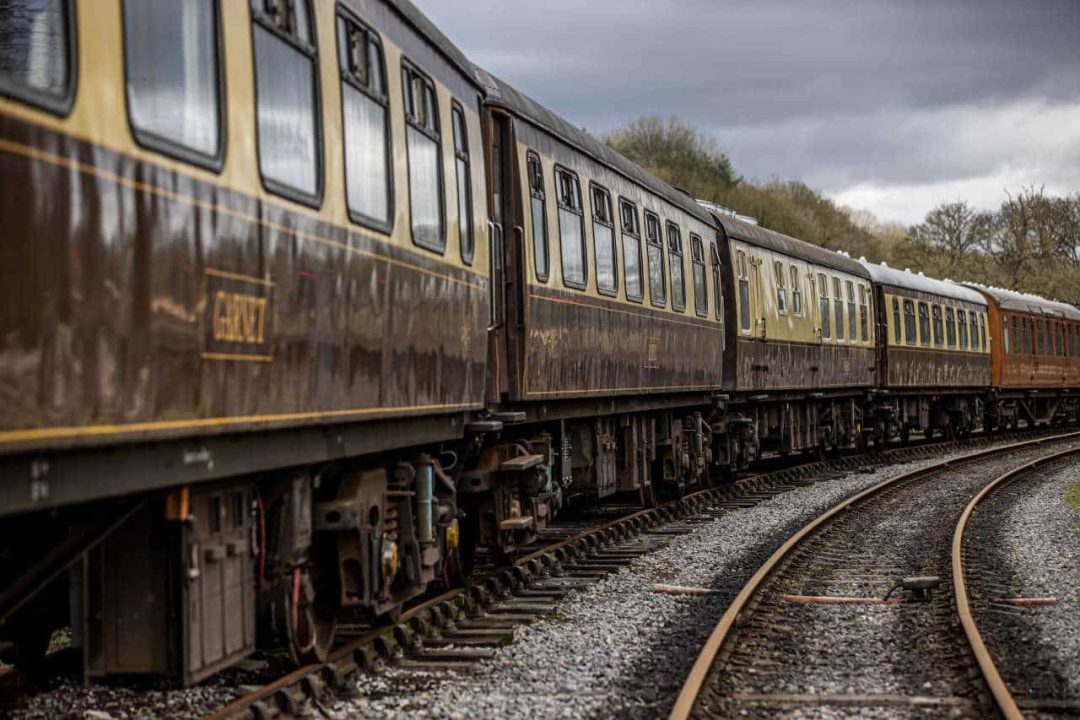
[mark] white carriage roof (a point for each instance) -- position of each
(885, 275)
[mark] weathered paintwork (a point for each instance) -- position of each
(777, 365)
(145, 298)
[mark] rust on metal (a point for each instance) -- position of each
(1002, 696)
(827, 600)
(1032, 601)
(681, 590)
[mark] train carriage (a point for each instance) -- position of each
(1035, 373)
(933, 363)
(270, 290)
(800, 343)
(613, 336)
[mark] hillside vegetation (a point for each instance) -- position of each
(1031, 243)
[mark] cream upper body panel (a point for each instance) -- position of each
(99, 116)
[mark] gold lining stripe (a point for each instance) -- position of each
(623, 389)
(704, 325)
(236, 356)
(36, 154)
(237, 276)
(98, 430)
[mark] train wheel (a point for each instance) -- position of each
(311, 620)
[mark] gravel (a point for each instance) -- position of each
(617, 648)
(1026, 540)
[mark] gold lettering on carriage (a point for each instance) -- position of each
(239, 317)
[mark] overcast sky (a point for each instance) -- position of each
(891, 106)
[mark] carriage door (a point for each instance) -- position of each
(502, 291)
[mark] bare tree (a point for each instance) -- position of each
(955, 230)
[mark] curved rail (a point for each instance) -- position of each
(695, 681)
(1002, 696)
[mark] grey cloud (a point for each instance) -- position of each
(838, 91)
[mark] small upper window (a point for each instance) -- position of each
(675, 259)
(171, 61)
(464, 183)
(286, 97)
(701, 286)
(781, 291)
(571, 228)
(604, 241)
(37, 51)
(537, 206)
(365, 123)
(631, 246)
(654, 245)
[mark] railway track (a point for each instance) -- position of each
(860, 613)
(467, 625)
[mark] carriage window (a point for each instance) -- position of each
(36, 51)
(571, 228)
(701, 286)
(171, 61)
(961, 326)
(654, 246)
(424, 153)
(796, 292)
(286, 98)
(974, 324)
(924, 323)
(896, 320)
(631, 247)
(823, 284)
(539, 215)
(604, 241)
(1017, 334)
(744, 291)
(675, 258)
(1029, 339)
(864, 315)
(838, 304)
(719, 307)
(1040, 342)
(939, 334)
(950, 327)
(1060, 346)
(910, 336)
(781, 291)
(851, 311)
(982, 331)
(365, 123)
(464, 183)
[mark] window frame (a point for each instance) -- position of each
(593, 188)
(852, 311)
(636, 237)
(55, 104)
(781, 289)
(864, 313)
(796, 291)
(938, 318)
(672, 253)
(357, 217)
(658, 244)
(463, 156)
(697, 250)
(896, 320)
(258, 17)
(580, 212)
(407, 64)
(838, 309)
(950, 328)
(925, 338)
(166, 146)
(717, 270)
(540, 195)
(961, 330)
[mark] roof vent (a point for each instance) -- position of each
(921, 274)
(884, 264)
